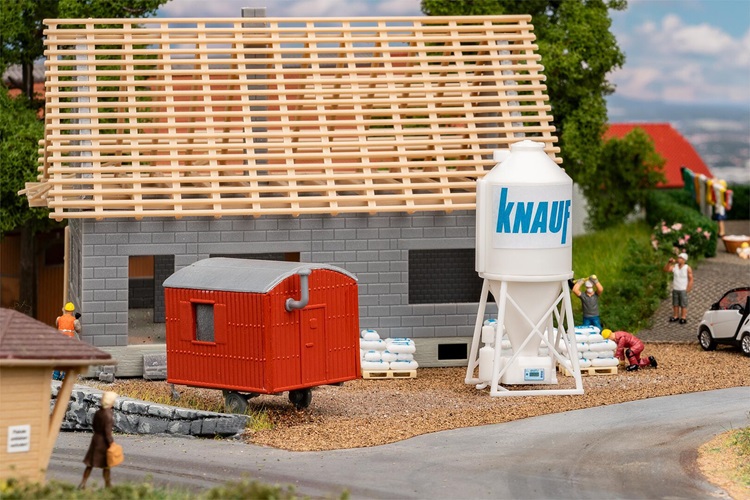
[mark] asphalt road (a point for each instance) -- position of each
(640, 449)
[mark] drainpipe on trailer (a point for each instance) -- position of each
(292, 304)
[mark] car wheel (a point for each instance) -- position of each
(706, 340)
(745, 344)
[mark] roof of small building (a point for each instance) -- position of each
(24, 338)
(671, 145)
(240, 275)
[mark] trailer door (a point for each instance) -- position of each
(313, 340)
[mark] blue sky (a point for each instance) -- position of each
(678, 51)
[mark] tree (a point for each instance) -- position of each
(21, 26)
(21, 42)
(20, 131)
(628, 169)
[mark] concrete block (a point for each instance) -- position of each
(389, 321)
(379, 244)
(179, 427)
(185, 414)
(160, 411)
(229, 426)
(356, 221)
(378, 221)
(345, 234)
(151, 425)
(219, 225)
(358, 244)
(135, 407)
(155, 366)
(208, 427)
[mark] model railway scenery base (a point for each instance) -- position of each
(389, 374)
(591, 370)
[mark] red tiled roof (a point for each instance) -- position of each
(24, 338)
(671, 145)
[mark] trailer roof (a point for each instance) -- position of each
(241, 275)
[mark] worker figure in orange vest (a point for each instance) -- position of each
(67, 323)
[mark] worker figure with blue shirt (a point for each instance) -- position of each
(589, 300)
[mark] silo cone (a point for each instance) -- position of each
(524, 254)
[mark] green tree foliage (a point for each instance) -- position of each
(20, 131)
(21, 25)
(628, 169)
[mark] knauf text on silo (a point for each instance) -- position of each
(547, 216)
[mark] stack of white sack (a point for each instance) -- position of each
(593, 349)
(395, 354)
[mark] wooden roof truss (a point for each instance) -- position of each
(188, 117)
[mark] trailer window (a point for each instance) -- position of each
(204, 322)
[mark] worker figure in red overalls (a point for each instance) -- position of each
(70, 326)
(630, 347)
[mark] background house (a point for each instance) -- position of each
(671, 145)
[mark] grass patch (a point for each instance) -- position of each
(628, 269)
(161, 393)
(740, 443)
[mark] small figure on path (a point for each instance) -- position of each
(629, 347)
(682, 283)
(590, 300)
(97, 454)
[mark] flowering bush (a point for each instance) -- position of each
(679, 237)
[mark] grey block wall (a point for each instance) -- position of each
(372, 247)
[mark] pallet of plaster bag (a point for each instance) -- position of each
(385, 374)
(589, 370)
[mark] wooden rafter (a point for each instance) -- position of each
(187, 117)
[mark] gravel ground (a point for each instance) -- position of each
(373, 412)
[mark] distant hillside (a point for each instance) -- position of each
(719, 133)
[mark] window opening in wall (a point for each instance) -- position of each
(444, 276)
(204, 322)
(452, 351)
(146, 309)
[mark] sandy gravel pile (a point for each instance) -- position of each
(374, 412)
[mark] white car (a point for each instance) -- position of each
(727, 322)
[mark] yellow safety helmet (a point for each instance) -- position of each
(70, 307)
(606, 333)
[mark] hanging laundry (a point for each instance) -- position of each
(711, 194)
(688, 178)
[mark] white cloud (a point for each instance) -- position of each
(671, 60)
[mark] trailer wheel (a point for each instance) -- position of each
(234, 402)
(300, 398)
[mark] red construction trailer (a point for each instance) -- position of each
(251, 327)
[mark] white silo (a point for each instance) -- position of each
(524, 253)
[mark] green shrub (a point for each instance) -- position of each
(740, 202)
(13, 489)
(674, 210)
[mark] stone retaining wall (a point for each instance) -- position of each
(134, 416)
